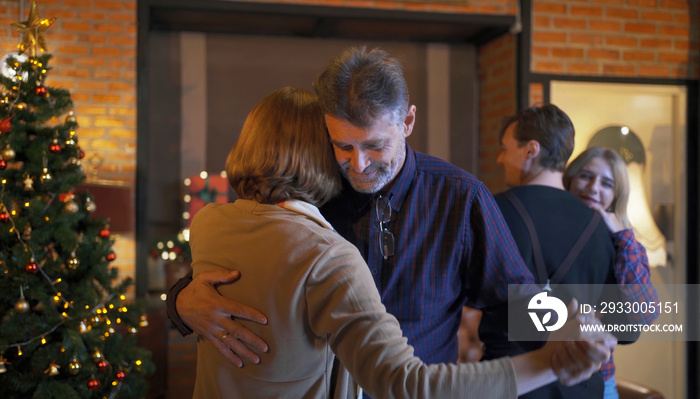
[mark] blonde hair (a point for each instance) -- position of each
(283, 152)
(621, 186)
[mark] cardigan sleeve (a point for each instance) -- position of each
(344, 305)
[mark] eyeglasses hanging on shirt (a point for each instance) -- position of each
(386, 238)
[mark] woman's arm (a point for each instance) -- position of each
(344, 306)
(633, 274)
(631, 266)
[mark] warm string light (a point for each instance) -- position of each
(40, 337)
(99, 310)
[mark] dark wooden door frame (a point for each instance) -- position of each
(305, 21)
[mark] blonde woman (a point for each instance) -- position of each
(598, 176)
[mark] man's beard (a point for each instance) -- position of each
(381, 174)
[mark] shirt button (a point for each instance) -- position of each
(374, 271)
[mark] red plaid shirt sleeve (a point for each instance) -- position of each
(632, 272)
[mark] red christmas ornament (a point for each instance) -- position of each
(66, 196)
(31, 268)
(121, 375)
(40, 91)
(3, 164)
(102, 365)
(6, 125)
(4, 217)
(55, 147)
(93, 384)
(104, 233)
(112, 256)
(81, 154)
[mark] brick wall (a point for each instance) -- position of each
(497, 99)
(630, 38)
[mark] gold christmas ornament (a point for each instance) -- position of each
(71, 207)
(33, 32)
(45, 176)
(76, 162)
(71, 118)
(53, 369)
(28, 184)
(8, 154)
(96, 355)
(90, 205)
(3, 369)
(74, 366)
(22, 306)
(143, 322)
(73, 261)
(27, 233)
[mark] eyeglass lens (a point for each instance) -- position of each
(386, 237)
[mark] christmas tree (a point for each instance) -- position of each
(66, 327)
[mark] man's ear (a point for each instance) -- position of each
(533, 149)
(409, 121)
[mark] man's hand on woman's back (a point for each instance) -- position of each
(209, 314)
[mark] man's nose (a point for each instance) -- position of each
(360, 161)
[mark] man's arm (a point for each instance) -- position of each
(170, 304)
(194, 305)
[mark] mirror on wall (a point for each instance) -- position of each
(646, 125)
